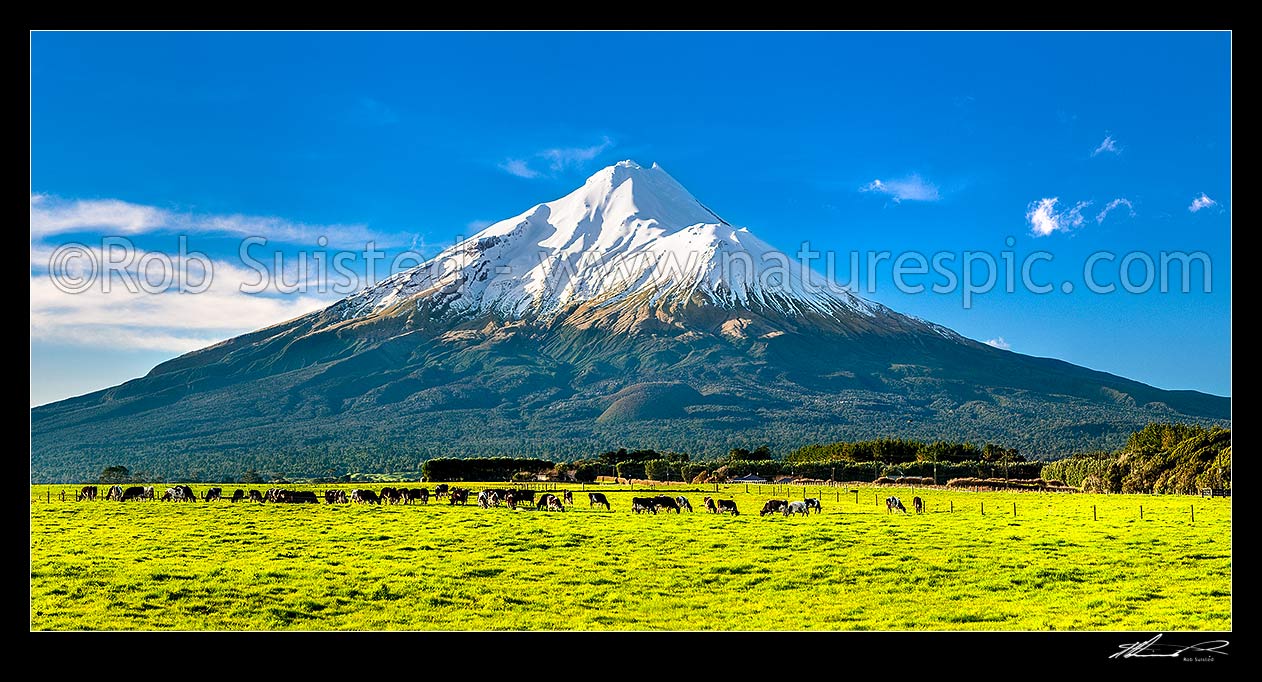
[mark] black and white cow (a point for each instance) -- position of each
(727, 506)
(238, 495)
(892, 503)
(684, 503)
(640, 505)
(212, 495)
(773, 506)
(709, 505)
(594, 499)
(813, 503)
(87, 493)
(364, 497)
(666, 502)
(796, 508)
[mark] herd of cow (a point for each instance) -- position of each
(485, 499)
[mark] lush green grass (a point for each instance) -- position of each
(152, 565)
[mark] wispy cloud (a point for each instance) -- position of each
(557, 159)
(1109, 146)
(52, 215)
(1200, 202)
(1044, 219)
(999, 342)
(166, 321)
(562, 158)
(911, 188)
(519, 168)
(1116, 203)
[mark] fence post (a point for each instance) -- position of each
(1014, 510)
(983, 508)
(952, 506)
(1141, 512)
(1093, 514)
(747, 487)
(1193, 513)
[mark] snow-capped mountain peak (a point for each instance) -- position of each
(629, 232)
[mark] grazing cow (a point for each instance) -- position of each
(186, 494)
(238, 495)
(364, 497)
(684, 503)
(569, 497)
(493, 497)
(773, 506)
(421, 494)
(594, 499)
(148, 493)
(918, 504)
(643, 504)
(709, 505)
(390, 495)
(256, 496)
(550, 502)
(484, 499)
(213, 494)
(796, 508)
(458, 496)
(892, 503)
(440, 490)
(813, 503)
(726, 506)
(135, 492)
(510, 500)
(667, 502)
(281, 495)
(335, 496)
(115, 493)
(87, 493)
(173, 495)
(520, 496)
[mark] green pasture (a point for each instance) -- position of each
(222, 566)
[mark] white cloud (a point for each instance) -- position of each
(52, 215)
(911, 188)
(998, 342)
(1115, 204)
(1200, 202)
(1044, 218)
(1073, 218)
(168, 321)
(519, 168)
(562, 158)
(558, 159)
(1108, 145)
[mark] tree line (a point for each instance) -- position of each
(1160, 458)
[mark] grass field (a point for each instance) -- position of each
(220, 566)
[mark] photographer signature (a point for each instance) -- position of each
(1151, 649)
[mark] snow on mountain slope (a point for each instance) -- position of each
(627, 231)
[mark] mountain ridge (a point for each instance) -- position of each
(553, 333)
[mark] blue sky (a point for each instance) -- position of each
(854, 142)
